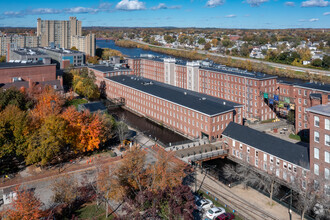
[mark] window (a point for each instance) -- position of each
(241, 146)
(316, 185)
(289, 167)
(316, 153)
(284, 165)
(316, 169)
(303, 184)
(257, 153)
(327, 124)
(326, 157)
(295, 169)
(271, 159)
(234, 143)
(326, 173)
(284, 175)
(316, 121)
(265, 157)
(327, 140)
(277, 162)
(248, 149)
(265, 166)
(256, 162)
(233, 152)
(316, 136)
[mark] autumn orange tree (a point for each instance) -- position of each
(26, 206)
(84, 131)
(165, 172)
(48, 102)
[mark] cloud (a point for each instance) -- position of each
(164, 6)
(130, 5)
(255, 3)
(315, 3)
(230, 16)
(81, 10)
(309, 20)
(292, 4)
(326, 13)
(103, 7)
(214, 3)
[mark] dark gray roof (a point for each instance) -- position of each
(92, 107)
(233, 71)
(25, 84)
(320, 109)
(316, 96)
(285, 150)
(27, 51)
(104, 68)
(199, 102)
(316, 86)
(15, 65)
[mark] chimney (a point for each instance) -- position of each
(325, 99)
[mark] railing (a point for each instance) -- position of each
(208, 155)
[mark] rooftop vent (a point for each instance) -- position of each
(185, 93)
(203, 98)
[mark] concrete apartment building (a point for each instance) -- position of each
(226, 83)
(58, 32)
(17, 41)
(84, 44)
(187, 112)
(266, 153)
(319, 124)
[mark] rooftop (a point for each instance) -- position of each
(61, 50)
(210, 65)
(92, 107)
(317, 86)
(109, 68)
(277, 147)
(29, 51)
(320, 109)
(196, 101)
(24, 64)
(25, 84)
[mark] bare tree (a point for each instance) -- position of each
(65, 190)
(122, 130)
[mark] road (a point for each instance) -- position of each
(277, 65)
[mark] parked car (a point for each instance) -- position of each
(204, 204)
(215, 212)
(225, 216)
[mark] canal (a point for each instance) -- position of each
(148, 127)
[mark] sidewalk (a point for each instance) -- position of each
(248, 202)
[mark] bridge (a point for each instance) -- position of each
(200, 153)
(115, 102)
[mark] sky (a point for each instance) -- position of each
(250, 14)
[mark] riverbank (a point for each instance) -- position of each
(228, 61)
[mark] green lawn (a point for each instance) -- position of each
(91, 211)
(295, 137)
(219, 204)
(76, 102)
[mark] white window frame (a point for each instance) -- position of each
(316, 153)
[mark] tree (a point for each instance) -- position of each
(14, 96)
(2, 59)
(65, 190)
(26, 206)
(47, 142)
(207, 46)
(316, 62)
(122, 131)
(84, 131)
(49, 102)
(163, 173)
(201, 41)
(215, 42)
(291, 117)
(93, 59)
(326, 61)
(74, 48)
(84, 84)
(168, 203)
(14, 131)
